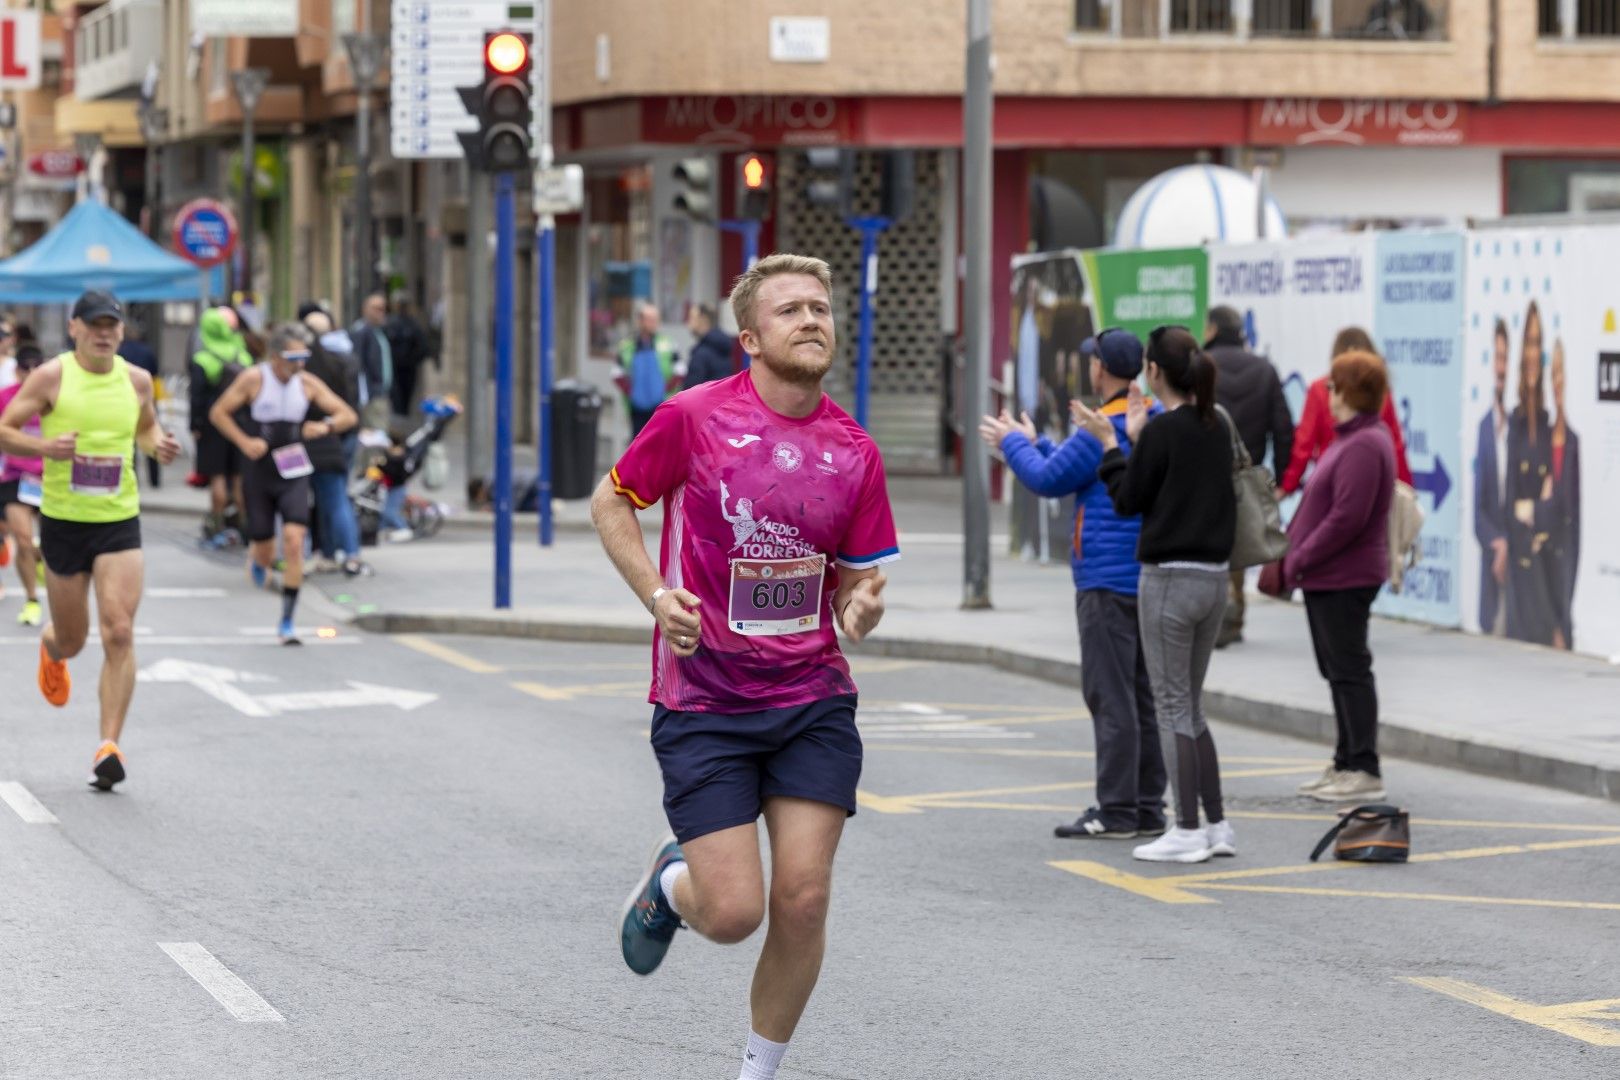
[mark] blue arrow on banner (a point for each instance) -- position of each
(1436, 481)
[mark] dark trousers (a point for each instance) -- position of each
(403, 390)
(1114, 681)
(638, 419)
(1338, 619)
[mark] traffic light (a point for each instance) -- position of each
(694, 197)
(898, 191)
(830, 179)
(753, 187)
(503, 104)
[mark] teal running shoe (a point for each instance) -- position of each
(649, 923)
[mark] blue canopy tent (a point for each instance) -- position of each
(95, 248)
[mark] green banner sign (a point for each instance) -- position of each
(1143, 290)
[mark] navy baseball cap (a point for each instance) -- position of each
(95, 305)
(1119, 350)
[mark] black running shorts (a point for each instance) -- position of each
(72, 547)
(269, 495)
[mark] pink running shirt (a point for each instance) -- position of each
(15, 468)
(759, 508)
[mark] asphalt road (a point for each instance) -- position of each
(419, 876)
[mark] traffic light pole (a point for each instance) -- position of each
(977, 179)
(871, 228)
(548, 324)
(505, 273)
(749, 231)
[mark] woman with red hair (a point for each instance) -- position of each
(1338, 553)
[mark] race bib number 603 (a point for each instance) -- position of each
(771, 597)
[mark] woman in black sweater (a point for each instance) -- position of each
(1179, 479)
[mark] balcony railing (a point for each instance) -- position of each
(114, 46)
(1573, 20)
(1377, 20)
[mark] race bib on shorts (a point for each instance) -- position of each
(772, 597)
(292, 461)
(30, 491)
(97, 476)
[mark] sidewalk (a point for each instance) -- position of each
(1487, 705)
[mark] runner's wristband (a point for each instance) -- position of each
(652, 601)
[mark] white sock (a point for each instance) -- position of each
(761, 1058)
(666, 883)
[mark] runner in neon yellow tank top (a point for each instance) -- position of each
(93, 408)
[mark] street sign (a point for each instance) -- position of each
(20, 65)
(438, 45)
(204, 232)
(56, 164)
(244, 18)
(559, 190)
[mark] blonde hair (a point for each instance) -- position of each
(745, 289)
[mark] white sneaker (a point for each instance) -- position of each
(1351, 786)
(1329, 774)
(1222, 840)
(399, 536)
(1178, 845)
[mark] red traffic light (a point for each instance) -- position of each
(753, 173)
(506, 54)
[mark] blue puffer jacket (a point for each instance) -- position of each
(1103, 548)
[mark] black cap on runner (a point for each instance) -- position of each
(95, 305)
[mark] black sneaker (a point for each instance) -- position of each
(1090, 825)
(1156, 827)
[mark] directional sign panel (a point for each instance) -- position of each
(438, 45)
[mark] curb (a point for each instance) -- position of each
(1453, 751)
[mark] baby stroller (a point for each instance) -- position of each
(390, 470)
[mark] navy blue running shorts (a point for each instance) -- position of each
(720, 769)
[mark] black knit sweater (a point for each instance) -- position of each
(1179, 478)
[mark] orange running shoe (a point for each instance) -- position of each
(5, 553)
(54, 681)
(108, 768)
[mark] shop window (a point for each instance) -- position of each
(619, 253)
(1579, 18)
(1562, 185)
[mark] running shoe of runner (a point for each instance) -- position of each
(776, 524)
(281, 397)
(21, 490)
(93, 409)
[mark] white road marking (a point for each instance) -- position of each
(237, 996)
(225, 686)
(22, 800)
(161, 593)
(918, 720)
(359, 695)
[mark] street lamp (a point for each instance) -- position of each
(154, 126)
(249, 84)
(365, 59)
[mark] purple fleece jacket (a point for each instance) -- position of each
(1339, 536)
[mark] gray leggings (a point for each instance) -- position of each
(1180, 613)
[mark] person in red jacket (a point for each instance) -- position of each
(1317, 427)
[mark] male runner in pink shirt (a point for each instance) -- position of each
(776, 521)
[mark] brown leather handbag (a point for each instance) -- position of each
(1372, 833)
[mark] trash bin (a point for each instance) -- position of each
(575, 409)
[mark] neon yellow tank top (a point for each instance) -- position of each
(98, 484)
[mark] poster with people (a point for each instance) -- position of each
(1050, 319)
(1541, 427)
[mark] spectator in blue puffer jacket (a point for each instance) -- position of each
(1113, 674)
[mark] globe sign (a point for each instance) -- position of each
(205, 232)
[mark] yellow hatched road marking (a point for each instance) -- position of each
(568, 693)
(1445, 898)
(883, 804)
(1163, 890)
(456, 657)
(1575, 1020)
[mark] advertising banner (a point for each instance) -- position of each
(1143, 290)
(1541, 430)
(1418, 325)
(244, 18)
(1295, 296)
